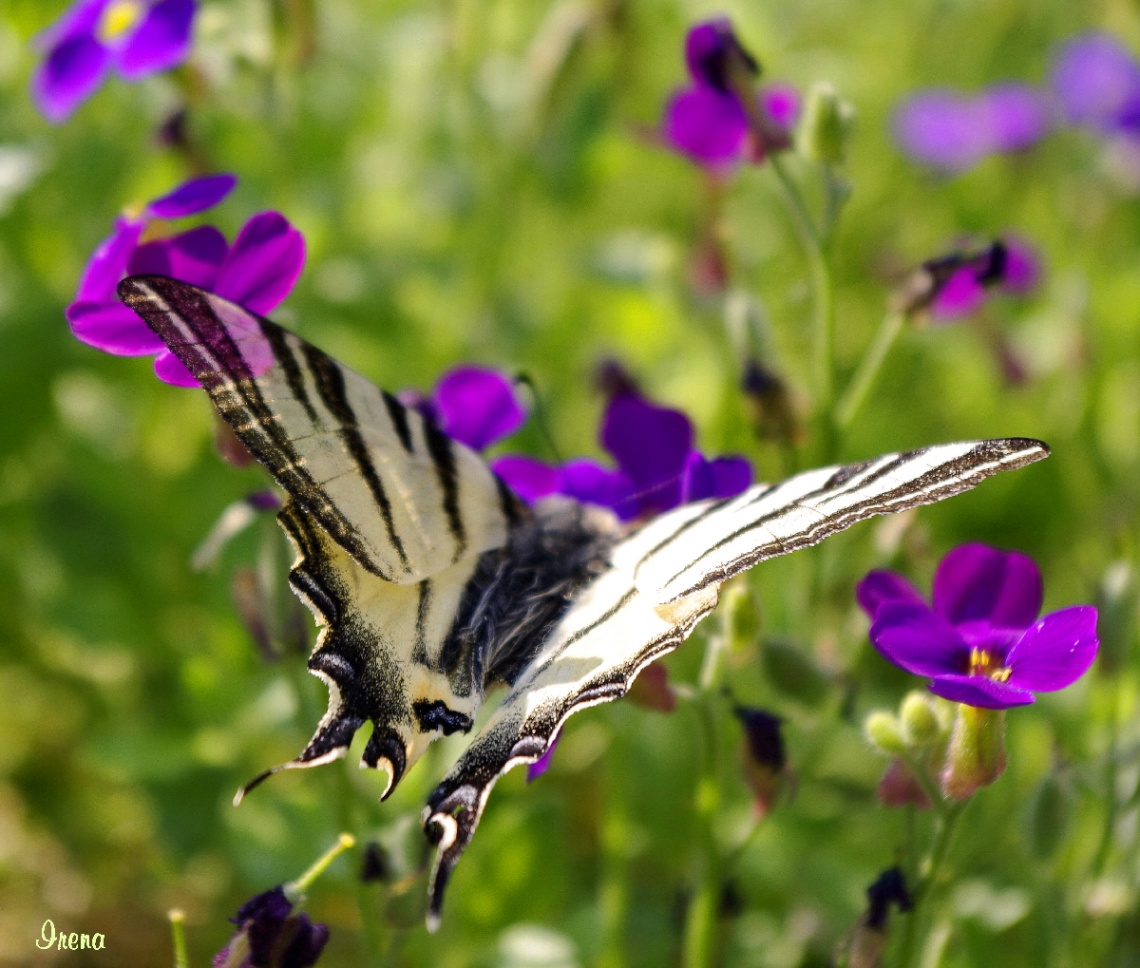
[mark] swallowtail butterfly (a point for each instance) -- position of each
(432, 582)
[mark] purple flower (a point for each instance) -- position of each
(271, 935)
(135, 37)
(258, 271)
(981, 644)
(708, 121)
(953, 132)
(657, 466)
(1011, 265)
(472, 404)
(1096, 80)
(764, 755)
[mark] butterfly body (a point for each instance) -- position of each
(433, 583)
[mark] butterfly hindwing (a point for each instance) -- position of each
(663, 579)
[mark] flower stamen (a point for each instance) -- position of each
(119, 17)
(983, 662)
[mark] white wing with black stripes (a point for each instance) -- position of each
(662, 580)
(433, 582)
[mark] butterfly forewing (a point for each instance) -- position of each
(713, 542)
(397, 494)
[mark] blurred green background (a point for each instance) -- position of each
(480, 180)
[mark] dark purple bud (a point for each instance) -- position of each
(377, 865)
(271, 935)
(714, 54)
(771, 410)
(614, 380)
(765, 758)
(890, 888)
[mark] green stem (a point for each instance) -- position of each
(700, 917)
(178, 932)
(856, 394)
(823, 353)
(947, 824)
(922, 776)
(1108, 833)
(295, 889)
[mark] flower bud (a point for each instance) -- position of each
(884, 732)
(899, 787)
(651, 689)
(868, 940)
(920, 723)
(827, 125)
(976, 756)
(764, 755)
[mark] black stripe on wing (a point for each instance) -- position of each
(330, 385)
(185, 321)
(945, 479)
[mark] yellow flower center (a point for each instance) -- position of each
(984, 663)
(118, 18)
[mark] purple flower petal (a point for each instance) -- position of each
(1056, 651)
(307, 944)
(542, 764)
(705, 124)
(916, 639)
(420, 402)
(732, 475)
(194, 257)
(782, 102)
(721, 477)
(79, 18)
(109, 262)
(264, 263)
(530, 479)
(651, 445)
(160, 42)
(1016, 116)
(587, 481)
(709, 46)
(69, 74)
(113, 328)
(980, 691)
(193, 196)
(170, 369)
(938, 128)
(478, 406)
(880, 587)
(1022, 267)
(1096, 78)
(961, 295)
(976, 582)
